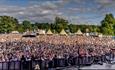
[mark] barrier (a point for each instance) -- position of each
(45, 64)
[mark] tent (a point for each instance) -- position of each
(49, 32)
(41, 32)
(79, 32)
(63, 32)
(100, 35)
(14, 32)
(29, 34)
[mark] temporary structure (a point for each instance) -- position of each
(41, 32)
(49, 32)
(14, 32)
(100, 35)
(79, 32)
(63, 32)
(29, 34)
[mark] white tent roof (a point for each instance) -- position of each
(63, 32)
(100, 35)
(41, 32)
(14, 32)
(79, 32)
(49, 32)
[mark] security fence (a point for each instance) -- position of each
(56, 62)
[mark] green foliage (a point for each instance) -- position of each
(20, 28)
(107, 25)
(27, 25)
(72, 28)
(7, 24)
(45, 26)
(34, 27)
(60, 24)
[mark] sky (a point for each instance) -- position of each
(75, 11)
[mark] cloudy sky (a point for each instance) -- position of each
(76, 11)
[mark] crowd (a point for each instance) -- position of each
(50, 46)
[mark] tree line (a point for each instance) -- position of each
(8, 24)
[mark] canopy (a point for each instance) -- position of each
(63, 32)
(49, 32)
(100, 35)
(29, 36)
(41, 32)
(14, 32)
(79, 32)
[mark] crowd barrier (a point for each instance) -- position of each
(56, 62)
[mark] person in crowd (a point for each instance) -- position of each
(48, 47)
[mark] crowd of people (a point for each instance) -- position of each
(50, 46)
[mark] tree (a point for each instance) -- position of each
(34, 27)
(52, 27)
(20, 28)
(44, 26)
(107, 25)
(7, 24)
(27, 25)
(60, 23)
(73, 28)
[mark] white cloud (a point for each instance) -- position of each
(21, 13)
(46, 11)
(104, 1)
(35, 10)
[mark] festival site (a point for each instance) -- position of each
(57, 34)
